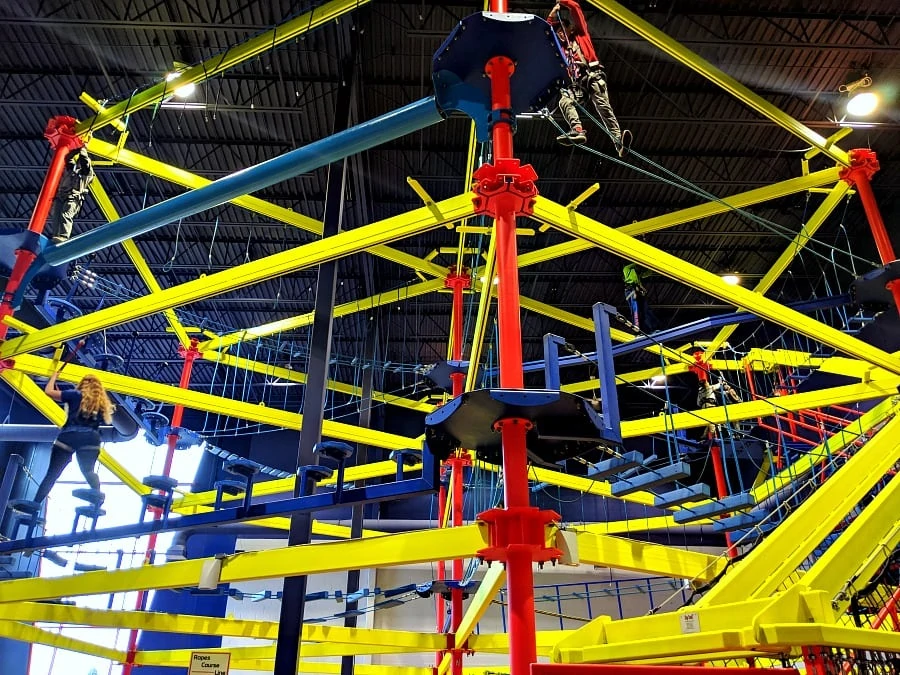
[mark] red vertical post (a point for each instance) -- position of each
(189, 355)
(864, 165)
(60, 132)
(715, 453)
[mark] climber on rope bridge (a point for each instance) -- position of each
(636, 297)
(712, 396)
(86, 406)
(73, 186)
(588, 79)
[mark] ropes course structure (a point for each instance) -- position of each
(791, 473)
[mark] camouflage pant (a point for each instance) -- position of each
(592, 86)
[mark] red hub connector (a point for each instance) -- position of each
(507, 186)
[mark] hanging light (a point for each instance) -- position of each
(185, 90)
(861, 103)
(731, 279)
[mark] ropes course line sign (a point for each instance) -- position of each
(209, 663)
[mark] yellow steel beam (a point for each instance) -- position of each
(654, 559)
(345, 309)
(490, 585)
(700, 65)
(763, 407)
(807, 231)
(738, 201)
(140, 264)
(779, 554)
(874, 533)
(321, 558)
(290, 375)
(124, 475)
(22, 632)
(286, 485)
(220, 63)
(27, 389)
(668, 265)
(309, 255)
(35, 365)
(577, 483)
(481, 319)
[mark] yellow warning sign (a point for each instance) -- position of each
(209, 663)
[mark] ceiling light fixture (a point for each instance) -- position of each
(731, 279)
(861, 103)
(185, 90)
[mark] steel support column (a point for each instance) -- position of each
(362, 458)
(287, 653)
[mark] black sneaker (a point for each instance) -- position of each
(572, 138)
(624, 143)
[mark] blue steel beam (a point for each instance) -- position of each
(367, 494)
(405, 120)
(686, 330)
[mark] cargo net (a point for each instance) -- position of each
(875, 605)
(841, 661)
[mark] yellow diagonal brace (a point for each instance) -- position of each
(763, 407)
(654, 559)
(668, 265)
(700, 65)
(861, 550)
(779, 554)
(345, 309)
(481, 319)
(309, 255)
(27, 389)
(290, 375)
(738, 201)
(130, 386)
(280, 214)
(490, 585)
(25, 633)
(577, 483)
(807, 231)
(180, 658)
(386, 551)
(227, 60)
(124, 475)
(140, 264)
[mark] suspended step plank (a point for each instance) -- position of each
(646, 481)
(740, 521)
(614, 465)
(743, 500)
(692, 493)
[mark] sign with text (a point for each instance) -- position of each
(209, 663)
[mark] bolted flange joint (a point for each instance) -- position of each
(518, 527)
(505, 187)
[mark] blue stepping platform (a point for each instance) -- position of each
(334, 450)
(24, 506)
(711, 509)
(458, 65)
(654, 477)
(564, 425)
(165, 483)
(740, 521)
(94, 497)
(228, 487)
(683, 495)
(752, 535)
(245, 468)
(614, 465)
(90, 512)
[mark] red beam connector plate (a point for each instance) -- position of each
(520, 527)
(60, 132)
(505, 187)
(862, 162)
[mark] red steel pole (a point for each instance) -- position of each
(519, 562)
(60, 132)
(863, 165)
(715, 453)
(187, 367)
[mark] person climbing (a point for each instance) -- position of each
(636, 297)
(73, 186)
(588, 78)
(712, 396)
(86, 406)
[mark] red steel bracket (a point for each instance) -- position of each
(504, 187)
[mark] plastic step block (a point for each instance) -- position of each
(740, 521)
(752, 535)
(654, 477)
(683, 495)
(744, 500)
(614, 465)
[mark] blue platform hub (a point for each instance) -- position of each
(44, 277)
(458, 65)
